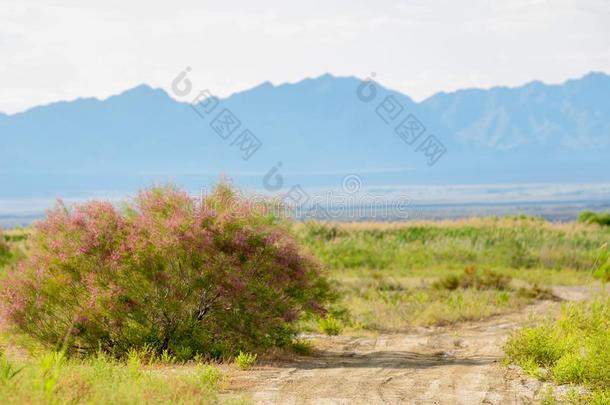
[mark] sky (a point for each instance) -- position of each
(62, 49)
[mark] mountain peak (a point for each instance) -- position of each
(142, 90)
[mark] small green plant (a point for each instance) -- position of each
(51, 365)
(198, 358)
(209, 376)
(167, 358)
(7, 370)
(330, 325)
(302, 347)
(245, 361)
(134, 364)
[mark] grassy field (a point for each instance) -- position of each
(388, 274)
(388, 277)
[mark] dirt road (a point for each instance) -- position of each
(456, 365)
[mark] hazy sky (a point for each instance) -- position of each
(60, 49)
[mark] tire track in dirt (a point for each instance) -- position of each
(453, 365)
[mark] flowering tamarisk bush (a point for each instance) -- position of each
(211, 277)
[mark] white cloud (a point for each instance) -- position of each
(63, 49)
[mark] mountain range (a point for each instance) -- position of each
(313, 133)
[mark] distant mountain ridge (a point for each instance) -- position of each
(317, 130)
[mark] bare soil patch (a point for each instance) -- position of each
(459, 364)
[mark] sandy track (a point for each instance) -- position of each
(457, 365)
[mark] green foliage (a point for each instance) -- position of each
(599, 218)
(330, 325)
(167, 275)
(245, 361)
(574, 348)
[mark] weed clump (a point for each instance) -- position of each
(472, 278)
(573, 349)
(330, 325)
(178, 276)
(302, 347)
(536, 292)
(245, 361)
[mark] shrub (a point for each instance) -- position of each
(590, 217)
(245, 360)
(538, 344)
(472, 278)
(166, 272)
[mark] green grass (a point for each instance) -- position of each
(529, 248)
(573, 349)
(50, 378)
